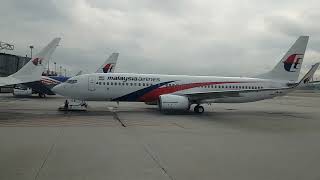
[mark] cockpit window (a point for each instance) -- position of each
(72, 81)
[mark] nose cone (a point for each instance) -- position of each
(58, 89)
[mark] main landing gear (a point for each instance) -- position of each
(198, 109)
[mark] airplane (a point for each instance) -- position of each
(179, 92)
(46, 83)
(32, 71)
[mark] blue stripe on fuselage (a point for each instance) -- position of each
(59, 78)
(134, 96)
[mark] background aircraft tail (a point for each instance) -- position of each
(307, 78)
(79, 73)
(109, 65)
(288, 69)
(32, 71)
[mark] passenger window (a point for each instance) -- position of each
(135, 84)
(111, 83)
(99, 83)
(130, 84)
(107, 83)
(104, 83)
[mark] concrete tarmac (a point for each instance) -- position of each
(271, 139)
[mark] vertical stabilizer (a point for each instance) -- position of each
(32, 71)
(109, 65)
(288, 69)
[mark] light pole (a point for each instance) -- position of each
(55, 67)
(60, 71)
(48, 66)
(31, 47)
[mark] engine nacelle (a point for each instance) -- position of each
(170, 102)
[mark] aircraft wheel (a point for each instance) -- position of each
(198, 109)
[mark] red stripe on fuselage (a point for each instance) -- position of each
(154, 95)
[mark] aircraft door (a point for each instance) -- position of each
(91, 83)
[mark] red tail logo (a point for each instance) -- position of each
(37, 61)
(293, 59)
(107, 68)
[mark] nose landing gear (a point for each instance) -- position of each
(73, 105)
(198, 109)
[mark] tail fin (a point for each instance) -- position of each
(32, 71)
(306, 79)
(109, 65)
(288, 69)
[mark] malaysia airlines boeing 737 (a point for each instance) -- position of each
(179, 92)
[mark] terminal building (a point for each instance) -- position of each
(10, 64)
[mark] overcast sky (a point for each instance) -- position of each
(200, 37)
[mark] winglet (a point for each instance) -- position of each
(306, 79)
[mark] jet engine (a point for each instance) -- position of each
(169, 102)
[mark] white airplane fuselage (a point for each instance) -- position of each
(148, 87)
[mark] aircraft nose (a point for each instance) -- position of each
(58, 89)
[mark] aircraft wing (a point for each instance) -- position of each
(199, 96)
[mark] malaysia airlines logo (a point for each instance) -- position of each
(37, 61)
(107, 68)
(292, 62)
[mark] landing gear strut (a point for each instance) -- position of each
(41, 95)
(198, 109)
